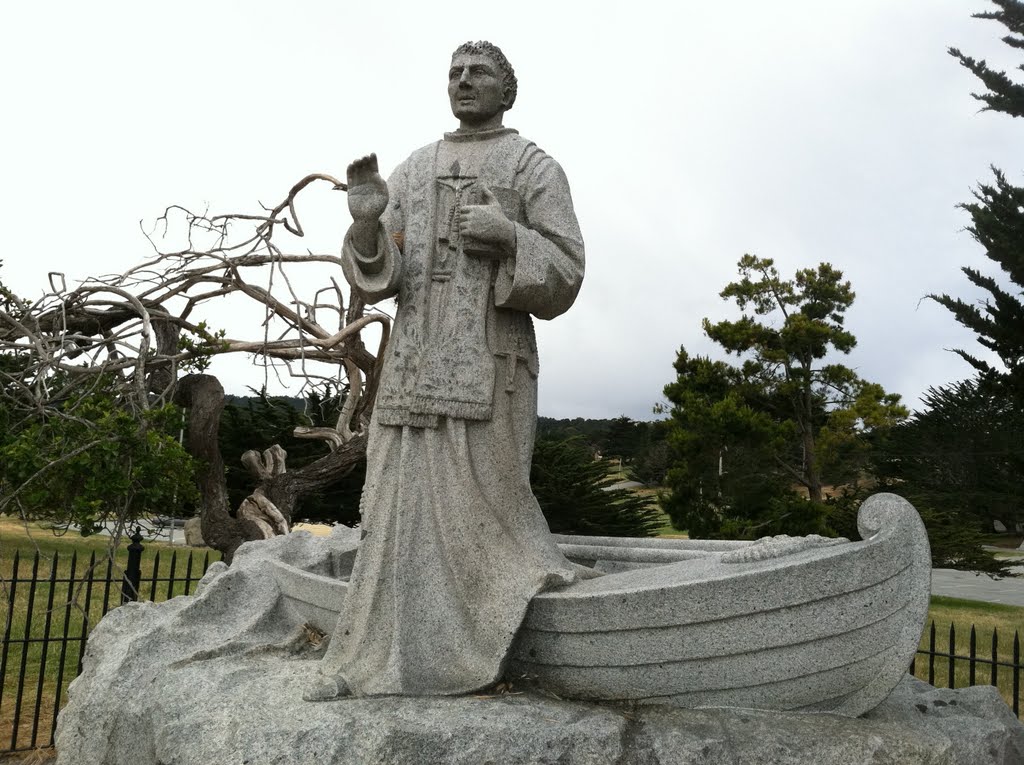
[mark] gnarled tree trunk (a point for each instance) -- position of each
(203, 397)
(268, 510)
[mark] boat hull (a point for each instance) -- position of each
(832, 627)
(806, 624)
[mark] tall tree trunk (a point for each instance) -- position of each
(806, 421)
(203, 397)
(813, 484)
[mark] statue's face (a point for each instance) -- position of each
(476, 88)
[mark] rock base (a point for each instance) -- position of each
(248, 709)
(217, 679)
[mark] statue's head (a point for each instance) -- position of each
(481, 83)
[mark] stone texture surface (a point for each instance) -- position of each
(138, 646)
(474, 234)
(830, 628)
(246, 709)
(979, 724)
(456, 544)
(218, 678)
(784, 623)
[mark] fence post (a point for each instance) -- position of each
(133, 572)
(951, 682)
(1016, 673)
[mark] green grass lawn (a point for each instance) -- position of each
(667, 529)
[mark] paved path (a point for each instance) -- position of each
(971, 586)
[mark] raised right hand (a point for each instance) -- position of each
(367, 191)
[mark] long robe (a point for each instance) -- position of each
(455, 544)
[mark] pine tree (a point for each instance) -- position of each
(959, 462)
(997, 223)
(574, 492)
(1004, 95)
(962, 454)
(748, 434)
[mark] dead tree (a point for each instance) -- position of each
(142, 330)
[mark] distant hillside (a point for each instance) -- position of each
(594, 432)
(619, 436)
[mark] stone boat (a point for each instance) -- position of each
(789, 623)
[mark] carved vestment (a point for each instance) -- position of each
(455, 545)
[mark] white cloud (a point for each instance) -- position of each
(802, 131)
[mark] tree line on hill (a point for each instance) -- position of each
(639, 447)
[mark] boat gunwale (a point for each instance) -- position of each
(563, 610)
(655, 543)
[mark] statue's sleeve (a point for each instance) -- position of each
(378, 278)
(544, 276)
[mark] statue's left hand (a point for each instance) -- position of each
(485, 229)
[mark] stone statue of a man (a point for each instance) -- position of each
(472, 234)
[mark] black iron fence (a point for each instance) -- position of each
(49, 615)
(50, 605)
(981, 665)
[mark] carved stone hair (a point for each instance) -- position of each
(492, 51)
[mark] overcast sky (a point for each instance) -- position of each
(691, 133)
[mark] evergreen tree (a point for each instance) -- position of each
(997, 223)
(593, 432)
(1003, 95)
(651, 464)
(962, 454)
(959, 462)
(625, 439)
(573, 491)
(748, 435)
